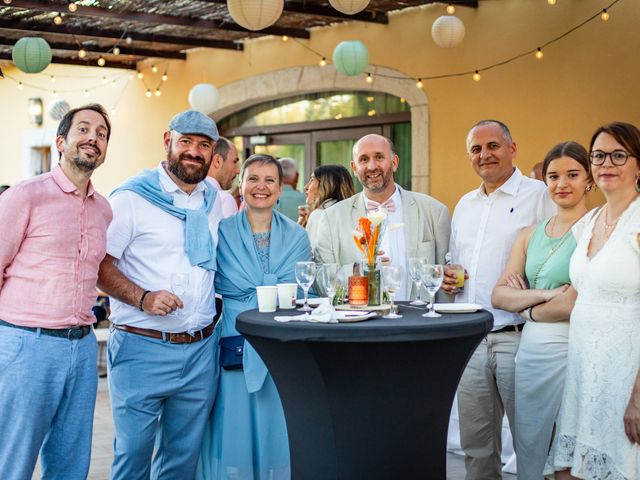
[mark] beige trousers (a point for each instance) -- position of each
(485, 393)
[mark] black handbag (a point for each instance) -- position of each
(231, 349)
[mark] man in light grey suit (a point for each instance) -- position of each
(424, 222)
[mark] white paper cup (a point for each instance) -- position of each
(287, 295)
(267, 298)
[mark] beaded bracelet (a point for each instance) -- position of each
(140, 307)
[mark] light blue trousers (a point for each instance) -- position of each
(48, 391)
(156, 386)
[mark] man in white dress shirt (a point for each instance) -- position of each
(224, 168)
(485, 223)
(159, 271)
(423, 221)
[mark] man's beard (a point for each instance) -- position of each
(369, 184)
(84, 163)
(188, 175)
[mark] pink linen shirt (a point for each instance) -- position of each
(51, 245)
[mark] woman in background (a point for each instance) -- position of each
(536, 280)
(329, 184)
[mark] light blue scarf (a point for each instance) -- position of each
(240, 271)
(198, 244)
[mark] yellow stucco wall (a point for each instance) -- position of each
(587, 78)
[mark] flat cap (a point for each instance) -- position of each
(192, 122)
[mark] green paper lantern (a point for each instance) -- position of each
(31, 54)
(351, 58)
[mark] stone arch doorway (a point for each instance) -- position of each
(308, 79)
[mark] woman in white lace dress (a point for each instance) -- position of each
(598, 432)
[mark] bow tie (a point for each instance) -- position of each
(388, 204)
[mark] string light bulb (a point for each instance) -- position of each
(419, 83)
(369, 78)
(165, 77)
(104, 80)
(476, 76)
(113, 83)
(113, 111)
(451, 9)
(158, 92)
(551, 2)
(154, 69)
(148, 93)
(57, 19)
(285, 38)
(86, 93)
(116, 50)
(72, 7)
(53, 79)
(55, 94)
(82, 53)
(539, 54)
(20, 86)
(323, 62)
(101, 62)
(604, 15)
(128, 40)
(140, 74)
(130, 76)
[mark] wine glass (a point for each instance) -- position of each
(179, 285)
(432, 276)
(416, 277)
(327, 278)
(392, 279)
(305, 275)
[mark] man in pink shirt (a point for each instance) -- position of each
(53, 240)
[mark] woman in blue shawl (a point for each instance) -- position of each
(246, 437)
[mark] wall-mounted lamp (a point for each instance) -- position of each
(35, 111)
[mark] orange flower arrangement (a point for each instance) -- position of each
(368, 233)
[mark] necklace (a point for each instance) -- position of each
(608, 228)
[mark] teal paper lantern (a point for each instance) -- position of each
(31, 54)
(351, 58)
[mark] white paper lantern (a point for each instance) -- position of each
(255, 14)
(349, 7)
(204, 98)
(448, 31)
(58, 109)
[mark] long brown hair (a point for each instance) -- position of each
(334, 183)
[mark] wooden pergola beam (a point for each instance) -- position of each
(84, 63)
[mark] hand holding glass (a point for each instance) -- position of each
(179, 285)
(416, 278)
(328, 279)
(305, 275)
(432, 277)
(392, 279)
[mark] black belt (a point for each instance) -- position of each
(510, 328)
(68, 333)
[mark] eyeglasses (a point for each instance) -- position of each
(618, 157)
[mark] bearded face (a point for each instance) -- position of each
(189, 157)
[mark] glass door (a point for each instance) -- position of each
(295, 146)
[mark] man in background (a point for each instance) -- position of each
(224, 168)
(290, 198)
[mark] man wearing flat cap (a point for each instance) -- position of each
(159, 271)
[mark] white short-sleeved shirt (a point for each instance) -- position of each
(483, 230)
(149, 245)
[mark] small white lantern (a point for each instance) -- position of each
(255, 14)
(350, 7)
(204, 98)
(448, 31)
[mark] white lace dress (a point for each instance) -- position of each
(604, 357)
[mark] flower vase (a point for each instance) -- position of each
(373, 272)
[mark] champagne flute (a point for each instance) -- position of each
(414, 273)
(179, 285)
(305, 275)
(327, 279)
(432, 277)
(392, 279)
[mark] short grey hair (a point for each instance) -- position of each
(289, 167)
(506, 134)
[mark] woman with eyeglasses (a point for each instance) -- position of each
(536, 283)
(598, 429)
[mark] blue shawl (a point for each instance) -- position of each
(197, 238)
(240, 271)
